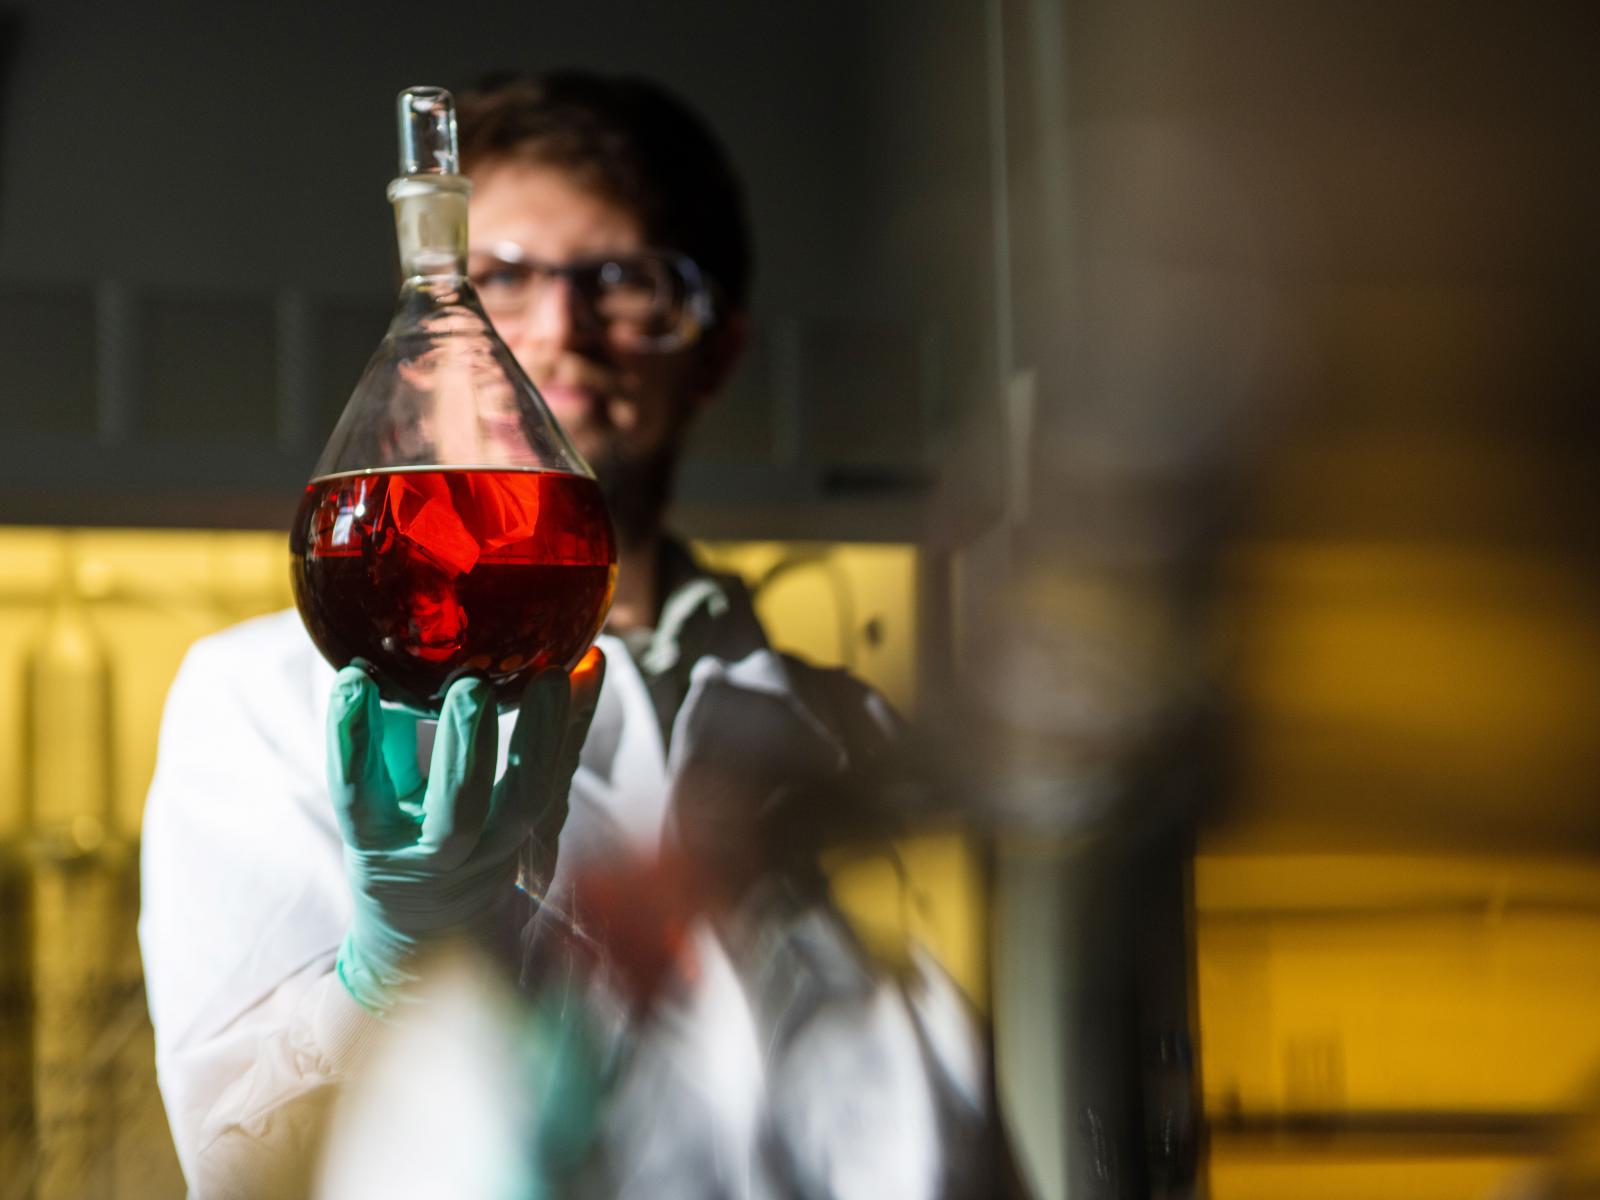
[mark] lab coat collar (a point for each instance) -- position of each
(702, 613)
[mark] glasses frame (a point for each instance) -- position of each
(700, 303)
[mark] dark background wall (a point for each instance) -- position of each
(197, 255)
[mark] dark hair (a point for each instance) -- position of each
(630, 141)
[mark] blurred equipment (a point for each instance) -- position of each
(95, 625)
(1296, 335)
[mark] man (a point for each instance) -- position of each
(286, 909)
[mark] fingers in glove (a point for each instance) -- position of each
(461, 773)
(363, 797)
(400, 760)
(535, 744)
(584, 695)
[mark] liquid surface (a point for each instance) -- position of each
(429, 574)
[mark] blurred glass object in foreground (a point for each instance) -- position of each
(1306, 578)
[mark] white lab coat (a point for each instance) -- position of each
(245, 903)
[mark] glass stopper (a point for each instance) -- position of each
(427, 132)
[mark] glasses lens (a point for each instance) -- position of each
(640, 298)
(504, 287)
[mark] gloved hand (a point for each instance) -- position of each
(436, 857)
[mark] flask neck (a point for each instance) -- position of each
(430, 221)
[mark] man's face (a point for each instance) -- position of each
(619, 407)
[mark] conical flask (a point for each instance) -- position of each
(449, 527)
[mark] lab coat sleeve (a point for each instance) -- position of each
(875, 1080)
(774, 760)
(243, 898)
(262, 1135)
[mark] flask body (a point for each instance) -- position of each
(426, 574)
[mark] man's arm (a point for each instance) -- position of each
(243, 895)
(875, 1080)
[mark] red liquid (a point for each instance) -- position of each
(431, 574)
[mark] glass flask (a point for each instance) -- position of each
(449, 527)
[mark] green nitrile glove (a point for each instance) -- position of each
(436, 857)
